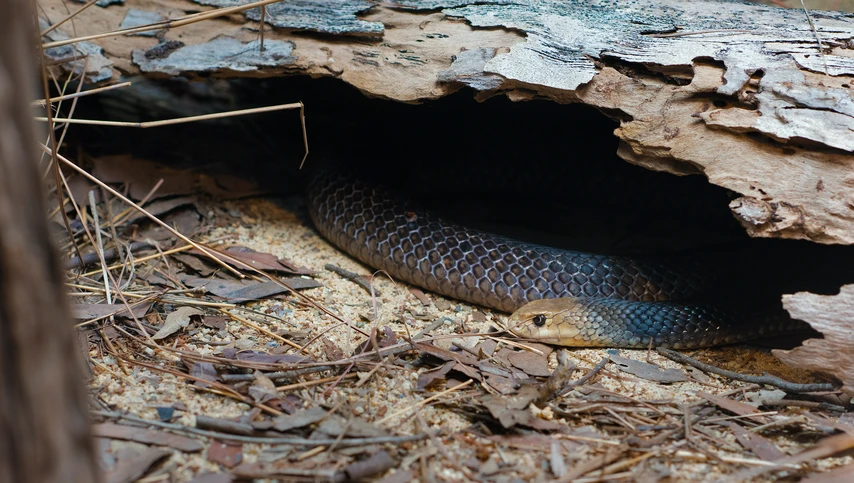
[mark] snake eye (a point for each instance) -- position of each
(539, 320)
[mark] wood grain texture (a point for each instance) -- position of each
(44, 427)
(833, 316)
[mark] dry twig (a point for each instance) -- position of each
(763, 379)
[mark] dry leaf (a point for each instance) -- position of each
(201, 266)
(837, 475)
(224, 425)
(263, 389)
(203, 370)
(261, 261)
(246, 290)
(131, 464)
(400, 476)
(146, 436)
(215, 321)
(332, 351)
(213, 478)
(335, 425)
(650, 372)
(176, 321)
(420, 296)
(756, 443)
(93, 311)
(299, 419)
(512, 410)
(431, 377)
(739, 408)
(161, 207)
(226, 454)
(531, 363)
(377, 463)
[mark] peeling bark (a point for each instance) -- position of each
(833, 316)
(734, 91)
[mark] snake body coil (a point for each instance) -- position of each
(415, 246)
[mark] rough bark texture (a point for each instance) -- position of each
(833, 316)
(44, 428)
(736, 91)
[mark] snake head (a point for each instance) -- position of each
(553, 321)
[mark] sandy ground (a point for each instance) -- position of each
(272, 226)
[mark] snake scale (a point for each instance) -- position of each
(612, 301)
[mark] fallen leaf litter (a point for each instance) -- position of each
(467, 382)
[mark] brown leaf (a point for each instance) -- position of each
(504, 385)
(733, 406)
(442, 304)
(833, 316)
(505, 369)
(332, 351)
(226, 454)
(246, 290)
(212, 478)
(215, 321)
(589, 464)
(263, 389)
(203, 267)
(203, 370)
(388, 338)
(446, 355)
(176, 321)
(223, 425)
(826, 447)
(837, 475)
(468, 371)
(160, 207)
(650, 372)
(146, 436)
(93, 311)
(299, 419)
(247, 255)
(400, 476)
(377, 463)
(839, 425)
(433, 376)
(531, 363)
(258, 260)
(512, 410)
(420, 296)
(185, 221)
(335, 425)
(487, 347)
(757, 444)
(131, 465)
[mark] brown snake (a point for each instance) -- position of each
(614, 301)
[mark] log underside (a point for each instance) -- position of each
(734, 91)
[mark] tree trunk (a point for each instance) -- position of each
(44, 427)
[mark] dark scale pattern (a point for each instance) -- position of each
(478, 267)
(587, 322)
